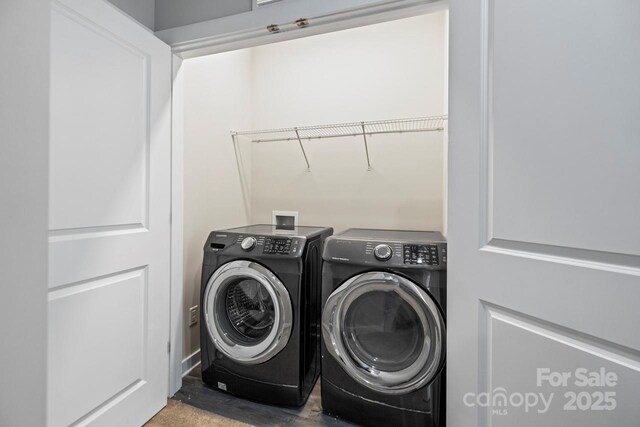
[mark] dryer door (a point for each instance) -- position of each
(385, 331)
(247, 312)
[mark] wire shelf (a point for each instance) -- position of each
(363, 129)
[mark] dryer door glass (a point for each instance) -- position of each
(385, 331)
(248, 312)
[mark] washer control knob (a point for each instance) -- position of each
(382, 252)
(248, 243)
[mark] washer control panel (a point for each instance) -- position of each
(248, 243)
(255, 245)
(270, 245)
(277, 245)
(382, 252)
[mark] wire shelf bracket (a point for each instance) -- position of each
(340, 130)
(306, 160)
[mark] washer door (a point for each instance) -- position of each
(248, 312)
(385, 331)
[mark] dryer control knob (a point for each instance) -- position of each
(248, 243)
(382, 252)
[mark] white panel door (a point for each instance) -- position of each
(109, 217)
(544, 205)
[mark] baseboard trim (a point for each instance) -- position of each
(190, 362)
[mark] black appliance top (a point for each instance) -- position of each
(391, 235)
(271, 230)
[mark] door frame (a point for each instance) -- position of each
(385, 11)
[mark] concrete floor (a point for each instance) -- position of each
(197, 405)
(177, 414)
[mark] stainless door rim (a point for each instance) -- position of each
(428, 361)
(280, 333)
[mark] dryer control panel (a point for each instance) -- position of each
(408, 254)
(421, 254)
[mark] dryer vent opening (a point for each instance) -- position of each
(284, 220)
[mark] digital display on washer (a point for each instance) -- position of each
(420, 254)
(277, 246)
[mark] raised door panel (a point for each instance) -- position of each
(98, 328)
(99, 127)
(564, 100)
(572, 378)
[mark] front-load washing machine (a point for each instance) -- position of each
(260, 300)
(383, 327)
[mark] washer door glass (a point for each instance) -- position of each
(248, 312)
(386, 332)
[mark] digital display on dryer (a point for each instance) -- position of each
(277, 246)
(420, 254)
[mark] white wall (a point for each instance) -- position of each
(142, 11)
(24, 158)
(217, 99)
(386, 71)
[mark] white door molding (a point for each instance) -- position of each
(250, 29)
(177, 227)
(24, 174)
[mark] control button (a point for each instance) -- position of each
(248, 243)
(382, 252)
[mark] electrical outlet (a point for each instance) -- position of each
(193, 315)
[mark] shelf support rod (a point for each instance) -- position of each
(366, 147)
(302, 148)
(246, 199)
